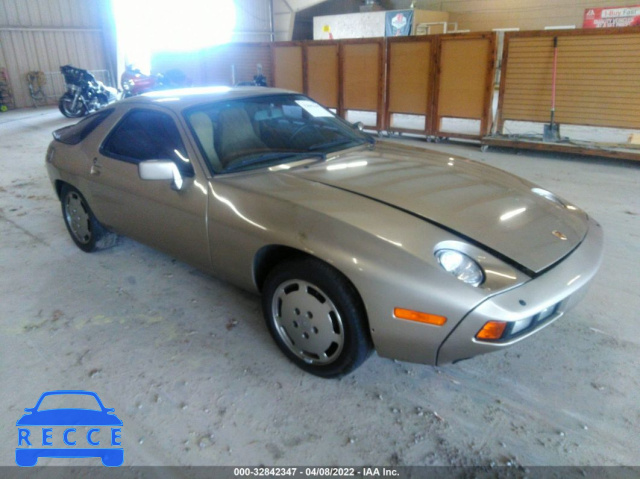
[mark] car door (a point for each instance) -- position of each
(151, 211)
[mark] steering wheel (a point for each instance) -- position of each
(299, 130)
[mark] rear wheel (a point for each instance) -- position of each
(316, 317)
(68, 109)
(84, 228)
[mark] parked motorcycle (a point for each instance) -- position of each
(134, 82)
(84, 93)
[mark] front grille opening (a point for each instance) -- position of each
(522, 327)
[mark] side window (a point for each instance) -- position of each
(74, 134)
(147, 135)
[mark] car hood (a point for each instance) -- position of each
(69, 417)
(484, 205)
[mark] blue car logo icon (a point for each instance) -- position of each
(84, 431)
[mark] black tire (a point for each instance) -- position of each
(65, 107)
(316, 317)
(83, 227)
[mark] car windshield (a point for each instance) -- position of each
(69, 401)
(255, 132)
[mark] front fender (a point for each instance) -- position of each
(385, 253)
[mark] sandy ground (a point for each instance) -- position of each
(189, 367)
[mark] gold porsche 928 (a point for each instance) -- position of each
(353, 243)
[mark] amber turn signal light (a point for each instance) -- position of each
(411, 315)
(492, 330)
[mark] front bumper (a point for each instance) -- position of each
(559, 289)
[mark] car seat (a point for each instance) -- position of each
(203, 127)
(235, 135)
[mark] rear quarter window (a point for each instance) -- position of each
(74, 134)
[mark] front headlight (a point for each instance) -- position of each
(461, 266)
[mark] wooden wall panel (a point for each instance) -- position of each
(464, 84)
(287, 66)
(322, 73)
(362, 76)
(528, 95)
(410, 68)
(597, 77)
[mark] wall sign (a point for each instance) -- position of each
(611, 17)
(398, 23)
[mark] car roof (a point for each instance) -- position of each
(180, 99)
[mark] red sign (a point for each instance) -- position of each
(611, 17)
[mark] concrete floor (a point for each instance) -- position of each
(189, 367)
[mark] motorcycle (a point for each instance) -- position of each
(134, 82)
(84, 93)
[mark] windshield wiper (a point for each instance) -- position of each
(333, 143)
(274, 155)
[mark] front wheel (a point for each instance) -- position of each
(68, 109)
(316, 317)
(84, 228)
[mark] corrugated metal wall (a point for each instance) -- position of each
(41, 35)
(253, 21)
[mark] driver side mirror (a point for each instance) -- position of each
(358, 125)
(161, 170)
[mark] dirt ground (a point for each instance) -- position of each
(189, 367)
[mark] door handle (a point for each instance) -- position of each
(95, 168)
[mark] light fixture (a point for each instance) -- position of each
(461, 266)
(427, 318)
